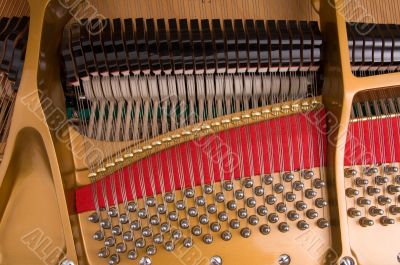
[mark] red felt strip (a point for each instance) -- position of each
(220, 157)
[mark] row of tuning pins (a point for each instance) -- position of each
(376, 193)
(374, 48)
(189, 47)
(177, 219)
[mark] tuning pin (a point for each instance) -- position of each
(361, 182)
(188, 242)
(265, 229)
(349, 172)
(279, 188)
(302, 225)
(176, 234)
(222, 216)
(158, 238)
(307, 174)
(248, 183)
(239, 194)
(154, 220)
(386, 221)
(169, 197)
(146, 231)
(364, 222)
(301, 206)
(322, 223)
(196, 230)
(112, 212)
(262, 210)
(283, 227)
(380, 180)
(397, 179)
(392, 189)
(150, 201)
(374, 211)
(103, 253)
(350, 192)
(135, 225)
(318, 183)
(173, 216)
(242, 213)
(189, 193)
(203, 219)
(208, 189)
(371, 171)
(109, 241)
(320, 203)
(281, 207)
(180, 205)
(273, 218)
(288, 176)
(231, 205)
(251, 202)
(211, 208)
(373, 190)
(290, 196)
(207, 238)
(310, 193)
(132, 254)
(99, 235)
(228, 185)
(234, 223)
(215, 227)
(298, 185)
(245, 232)
(200, 201)
(293, 215)
(219, 197)
(105, 223)
(116, 230)
(390, 170)
(161, 208)
(94, 218)
(121, 247)
(383, 200)
(123, 218)
(353, 212)
(311, 213)
(184, 223)
(151, 250)
(362, 201)
(270, 199)
(131, 207)
(268, 179)
(193, 212)
(114, 259)
(253, 220)
(393, 209)
(259, 191)
(142, 213)
(169, 246)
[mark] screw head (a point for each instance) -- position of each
(67, 262)
(284, 259)
(145, 261)
(347, 261)
(215, 260)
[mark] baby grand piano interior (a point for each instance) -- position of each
(200, 132)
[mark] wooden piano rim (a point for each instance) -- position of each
(48, 17)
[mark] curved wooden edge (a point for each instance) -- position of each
(30, 113)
